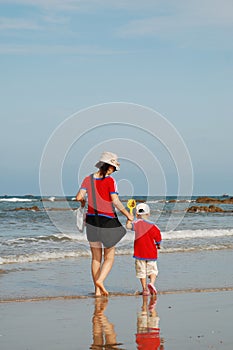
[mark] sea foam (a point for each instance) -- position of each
(15, 199)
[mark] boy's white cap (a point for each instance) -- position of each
(142, 208)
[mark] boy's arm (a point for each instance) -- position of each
(129, 224)
(157, 237)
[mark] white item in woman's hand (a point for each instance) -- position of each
(80, 218)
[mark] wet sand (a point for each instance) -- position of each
(176, 321)
(199, 271)
(51, 306)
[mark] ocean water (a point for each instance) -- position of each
(36, 235)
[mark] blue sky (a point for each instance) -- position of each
(58, 57)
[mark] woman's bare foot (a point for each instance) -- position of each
(101, 287)
(97, 292)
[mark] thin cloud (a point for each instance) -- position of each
(185, 16)
(210, 10)
(18, 24)
(55, 20)
(57, 49)
(85, 4)
(46, 4)
(155, 26)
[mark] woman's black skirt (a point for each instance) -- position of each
(103, 229)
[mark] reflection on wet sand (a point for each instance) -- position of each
(104, 335)
(148, 331)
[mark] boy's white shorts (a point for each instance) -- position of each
(145, 268)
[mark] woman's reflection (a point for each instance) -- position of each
(148, 332)
(104, 335)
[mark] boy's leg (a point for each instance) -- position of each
(140, 266)
(143, 283)
(152, 278)
(151, 285)
(152, 272)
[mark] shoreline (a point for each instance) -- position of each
(112, 295)
(190, 271)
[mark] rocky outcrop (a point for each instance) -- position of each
(207, 209)
(36, 208)
(33, 208)
(228, 200)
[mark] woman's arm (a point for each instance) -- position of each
(80, 197)
(117, 203)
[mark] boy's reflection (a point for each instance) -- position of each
(104, 336)
(148, 332)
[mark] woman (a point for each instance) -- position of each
(103, 187)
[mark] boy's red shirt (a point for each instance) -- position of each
(149, 340)
(147, 235)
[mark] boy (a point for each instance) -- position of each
(147, 241)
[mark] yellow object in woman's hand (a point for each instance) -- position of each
(131, 204)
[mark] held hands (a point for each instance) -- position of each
(130, 217)
(129, 223)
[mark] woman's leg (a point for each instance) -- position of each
(96, 252)
(109, 254)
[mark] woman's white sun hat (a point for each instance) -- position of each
(142, 208)
(109, 158)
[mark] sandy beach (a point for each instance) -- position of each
(193, 307)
